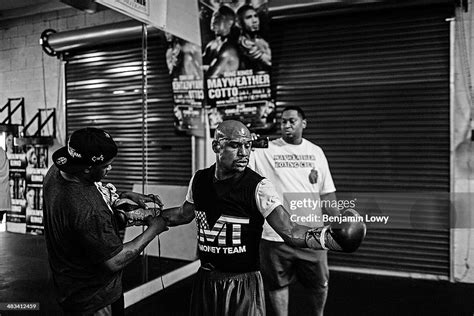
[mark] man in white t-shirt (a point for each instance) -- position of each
(300, 172)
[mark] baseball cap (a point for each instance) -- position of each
(85, 147)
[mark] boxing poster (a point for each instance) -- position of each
(236, 58)
(36, 169)
(16, 217)
(28, 162)
(184, 63)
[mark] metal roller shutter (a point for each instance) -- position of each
(104, 89)
(375, 86)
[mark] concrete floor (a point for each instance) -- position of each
(349, 295)
(24, 273)
(25, 277)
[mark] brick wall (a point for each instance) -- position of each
(25, 71)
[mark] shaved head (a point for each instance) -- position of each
(232, 145)
(232, 130)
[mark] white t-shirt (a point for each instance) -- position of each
(288, 167)
(266, 196)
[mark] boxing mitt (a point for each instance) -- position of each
(344, 235)
(129, 213)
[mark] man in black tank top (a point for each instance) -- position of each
(230, 203)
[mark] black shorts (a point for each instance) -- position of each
(224, 293)
(281, 265)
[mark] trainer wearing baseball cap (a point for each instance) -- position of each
(85, 148)
(85, 251)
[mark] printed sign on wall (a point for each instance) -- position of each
(36, 169)
(237, 61)
(184, 63)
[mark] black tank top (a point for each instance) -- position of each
(228, 219)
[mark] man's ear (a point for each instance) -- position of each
(216, 147)
(304, 123)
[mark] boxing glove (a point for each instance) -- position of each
(345, 235)
(129, 213)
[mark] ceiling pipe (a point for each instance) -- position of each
(54, 43)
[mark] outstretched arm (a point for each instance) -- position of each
(345, 235)
(270, 206)
(292, 233)
(179, 215)
(142, 199)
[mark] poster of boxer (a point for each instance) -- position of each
(236, 58)
(184, 63)
(36, 169)
(16, 217)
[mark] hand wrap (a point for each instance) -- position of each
(130, 213)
